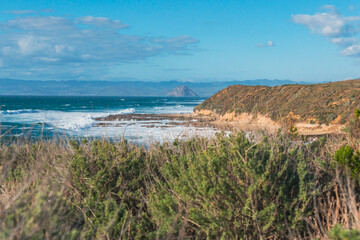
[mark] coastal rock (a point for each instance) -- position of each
(181, 91)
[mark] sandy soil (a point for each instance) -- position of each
(247, 121)
(317, 129)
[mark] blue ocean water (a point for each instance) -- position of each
(36, 116)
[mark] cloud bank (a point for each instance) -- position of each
(73, 48)
(338, 29)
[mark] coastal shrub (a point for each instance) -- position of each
(293, 131)
(33, 204)
(357, 112)
(346, 157)
(339, 233)
(228, 187)
(110, 184)
(331, 117)
(235, 189)
(353, 126)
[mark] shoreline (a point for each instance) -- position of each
(228, 122)
(185, 119)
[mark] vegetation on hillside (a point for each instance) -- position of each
(229, 187)
(317, 103)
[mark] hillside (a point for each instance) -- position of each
(317, 103)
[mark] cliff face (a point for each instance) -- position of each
(182, 91)
(314, 104)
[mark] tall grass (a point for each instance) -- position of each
(228, 187)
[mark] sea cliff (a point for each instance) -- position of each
(312, 109)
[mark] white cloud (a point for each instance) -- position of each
(267, 44)
(64, 47)
(330, 24)
(331, 8)
(344, 41)
(7, 50)
(22, 12)
(86, 56)
(29, 45)
(47, 10)
(338, 29)
(47, 59)
(353, 50)
(39, 24)
(59, 48)
(101, 22)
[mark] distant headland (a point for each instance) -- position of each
(182, 91)
(121, 88)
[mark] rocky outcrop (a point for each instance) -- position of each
(182, 91)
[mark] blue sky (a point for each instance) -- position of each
(152, 40)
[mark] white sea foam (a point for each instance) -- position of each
(78, 121)
(177, 109)
(69, 120)
(74, 121)
(19, 111)
(126, 111)
(185, 102)
(81, 122)
(140, 131)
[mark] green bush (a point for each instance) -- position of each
(357, 112)
(110, 183)
(339, 233)
(228, 190)
(224, 188)
(346, 157)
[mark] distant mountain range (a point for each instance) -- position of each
(123, 88)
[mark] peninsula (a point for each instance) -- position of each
(314, 109)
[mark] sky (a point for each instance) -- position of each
(188, 40)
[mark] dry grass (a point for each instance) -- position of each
(102, 190)
(319, 103)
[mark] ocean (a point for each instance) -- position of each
(70, 116)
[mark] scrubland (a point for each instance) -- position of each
(281, 186)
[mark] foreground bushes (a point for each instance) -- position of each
(228, 187)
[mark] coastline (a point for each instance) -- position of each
(228, 122)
